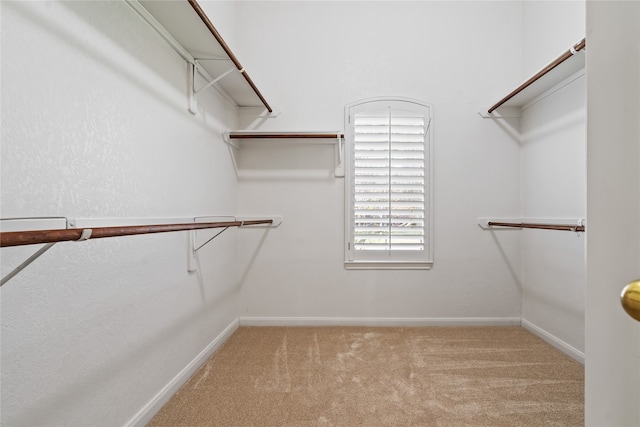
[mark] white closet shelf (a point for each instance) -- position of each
(284, 135)
(329, 137)
(185, 26)
(30, 231)
(564, 66)
(563, 224)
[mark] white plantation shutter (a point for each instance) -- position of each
(389, 208)
(388, 173)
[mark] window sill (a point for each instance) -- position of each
(388, 265)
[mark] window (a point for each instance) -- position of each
(388, 184)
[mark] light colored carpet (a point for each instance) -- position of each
(357, 376)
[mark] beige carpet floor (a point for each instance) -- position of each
(357, 376)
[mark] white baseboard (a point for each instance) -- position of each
(379, 321)
(163, 396)
(570, 351)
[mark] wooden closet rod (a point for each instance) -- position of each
(203, 16)
(20, 238)
(576, 228)
(287, 135)
(559, 60)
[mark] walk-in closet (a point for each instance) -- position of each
(310, 213)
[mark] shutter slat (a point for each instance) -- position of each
(399, 231)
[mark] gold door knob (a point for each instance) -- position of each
(630, 299)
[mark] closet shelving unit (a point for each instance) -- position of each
(285, 135)
(187, 28)
(555, 73)
(488, 224)
(50, 237)
(311, 137)
(34, 237)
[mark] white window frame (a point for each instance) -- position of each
(387, 259)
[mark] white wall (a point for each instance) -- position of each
(550, 28)
(554, 187)
(95, 124)
(554, 180)
(314, 58)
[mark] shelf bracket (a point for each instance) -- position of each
(205, 243)
(339, 172)
(28, 261)
(192, 265)
(227, 139)
(39, 223)
(191, 82)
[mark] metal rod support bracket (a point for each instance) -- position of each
(339, 172)
(202, 245)
(191, 83)
(28, 261)
(220, 77)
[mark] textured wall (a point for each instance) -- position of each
(550, 28)
(95, 124)
(454, 55)
(554, 186)
(554, 178)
